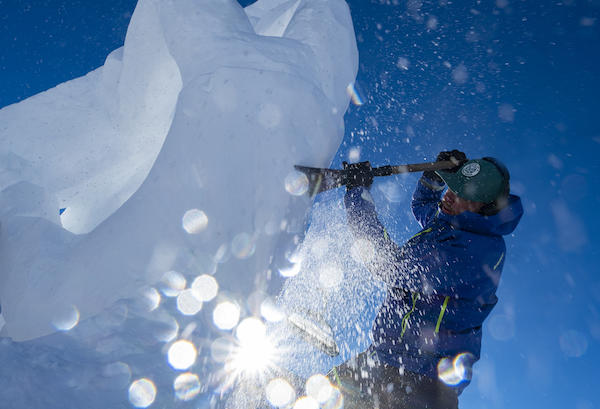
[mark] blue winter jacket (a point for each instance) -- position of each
(441, 283)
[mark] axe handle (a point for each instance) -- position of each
(415, 167)
(322, 179)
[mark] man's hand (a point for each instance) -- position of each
(358, 174)
(455, 156)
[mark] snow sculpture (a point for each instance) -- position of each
(206, 108)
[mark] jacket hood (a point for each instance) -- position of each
(502, 223)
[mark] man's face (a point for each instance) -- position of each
(454, 205)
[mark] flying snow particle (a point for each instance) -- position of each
(186, 386)
(587, 21)
(506, 113)
(392, 191)
(194, 221)
(403, 63)
(432, 23)
(460, 74)
(354, 154)
(472, 37)
(182, 354)
(570, 228)
(555, 161)
(414, 6)
(142, 393)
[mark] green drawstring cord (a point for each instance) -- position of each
(414, 296)
(336, 376)
(439, 321)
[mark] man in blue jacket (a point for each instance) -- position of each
(441, 283)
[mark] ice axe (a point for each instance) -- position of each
(322, 179)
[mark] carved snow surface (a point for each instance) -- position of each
(172, 157)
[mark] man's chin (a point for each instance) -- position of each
(446, 211)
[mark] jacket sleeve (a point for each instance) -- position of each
(379, 254)
(426, 199)
(432, 262)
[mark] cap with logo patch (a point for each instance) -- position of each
(479, 180)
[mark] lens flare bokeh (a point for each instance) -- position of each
(330, 276)
(220, 349)
(279, 392)
(189, 302)
(306, 402)
(226, 315)
(194, 221)
(206, 287)
(186, 386)
(172, 283)
(354, 95)
(242, 246)
(142, 393)
(270, 311)
(67, 319)
(456, 371)
(182, 354)
(319, 388)
(296, 183)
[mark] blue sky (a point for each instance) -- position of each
(518, 80)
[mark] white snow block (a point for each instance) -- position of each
(196, 111)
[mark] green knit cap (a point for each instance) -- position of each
(478, 180)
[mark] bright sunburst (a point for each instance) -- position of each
(254, 353)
